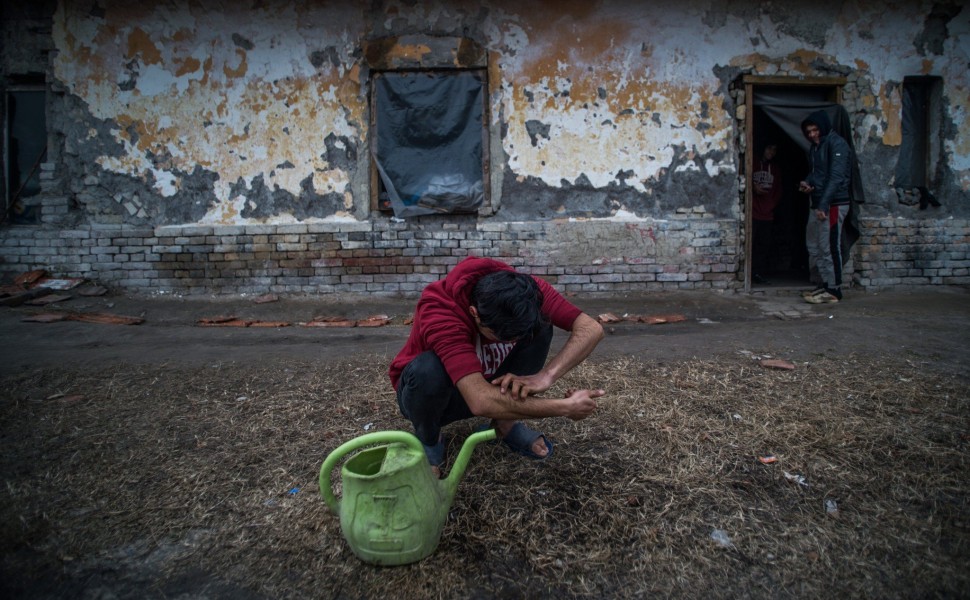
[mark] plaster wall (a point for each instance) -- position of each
(196, 113)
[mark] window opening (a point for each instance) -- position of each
(25, 148)
(920, 149)
(430, 143)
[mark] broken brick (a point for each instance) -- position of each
(228, 323)
(269, 324)
(105, 318)
(661, 319)
(214, 320)
(374, 321)
(25, 279)
(776, 363)
(48, 299)
(609, 318)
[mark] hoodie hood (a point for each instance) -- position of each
(821, 120)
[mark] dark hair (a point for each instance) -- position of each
(510, 304)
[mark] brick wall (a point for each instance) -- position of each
(380, 257)
(399, 258)
(898, 251)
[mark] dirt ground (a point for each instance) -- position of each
(169, 459)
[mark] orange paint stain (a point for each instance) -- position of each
(409, 52)
(239, 71)
(892, 106)
(140, 44)
(186, 66)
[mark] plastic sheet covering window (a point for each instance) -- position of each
(429, 141)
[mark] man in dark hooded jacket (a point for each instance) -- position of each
(828, 184)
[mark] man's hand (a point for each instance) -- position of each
(585, 403)
(804, 187)
(820, 215)
(522, 386)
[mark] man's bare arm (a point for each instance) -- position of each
(487, 400)
(583, 338)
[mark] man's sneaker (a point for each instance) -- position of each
(815, 292)
(822, 298)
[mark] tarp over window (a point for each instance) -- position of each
(429, 141)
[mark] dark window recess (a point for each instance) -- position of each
(428, 149)
(25, 148)
(921, 146)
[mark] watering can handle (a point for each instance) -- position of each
(368, 439)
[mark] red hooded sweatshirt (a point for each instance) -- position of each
(443, 324)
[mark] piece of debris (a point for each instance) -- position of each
(722, 538)
(269, 324)
(661, 319)
(17, 299)
(767, 460)
(92, 290)
(266, 298)
(796, 478)
(832, 508)
(105, 318)
(233, 322)
(776, 363)
(374, 321)
(71, 398)
(330, 322)
(609, 318)
(102, 318)
(59, 284)
(30, 277)
(215, 320)
(11, 290)
(408, 320)
(48, 299)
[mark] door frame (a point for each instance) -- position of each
(751, 82)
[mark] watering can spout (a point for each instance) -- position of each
(450, 484)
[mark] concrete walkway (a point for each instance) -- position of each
(929, 324)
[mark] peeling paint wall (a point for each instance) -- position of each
(198, 112)
(217, 115)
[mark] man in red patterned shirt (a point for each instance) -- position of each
(478, 347)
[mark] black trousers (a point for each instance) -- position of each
(428, 398)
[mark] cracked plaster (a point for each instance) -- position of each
(601, 98)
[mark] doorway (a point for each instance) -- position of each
(777, 106)
(24, 148)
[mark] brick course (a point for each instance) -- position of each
(398, 259)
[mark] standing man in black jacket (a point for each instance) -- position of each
(828, 184)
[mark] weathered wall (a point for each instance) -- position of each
(209, 114)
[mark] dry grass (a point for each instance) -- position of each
(152, 472)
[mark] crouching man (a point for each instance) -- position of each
(478, 347)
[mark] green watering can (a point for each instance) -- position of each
(393, 509)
